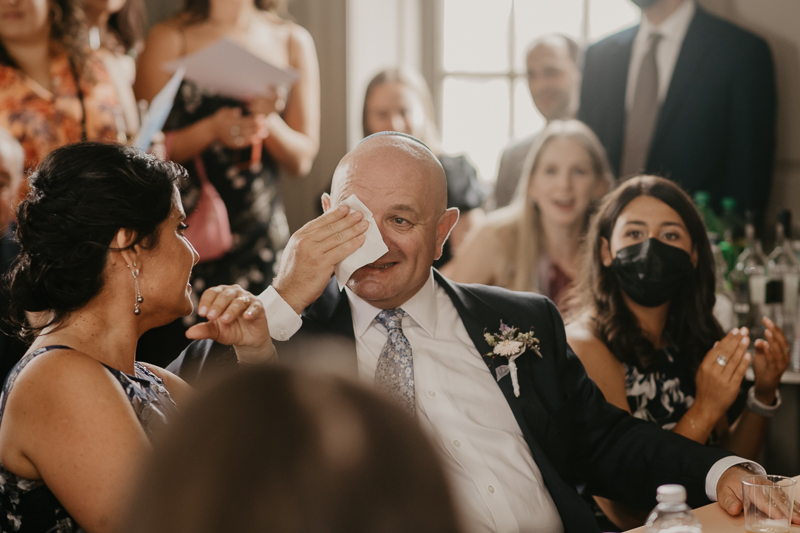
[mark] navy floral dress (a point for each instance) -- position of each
(27, 505)
(250, 191)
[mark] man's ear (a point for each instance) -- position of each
(443, 228)
(605, 252)
(326, 202)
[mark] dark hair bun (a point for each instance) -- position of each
(80, 196)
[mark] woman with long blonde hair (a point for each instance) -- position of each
(533, 244)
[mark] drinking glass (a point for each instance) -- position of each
(768, 503)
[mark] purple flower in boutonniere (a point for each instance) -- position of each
(511, 344)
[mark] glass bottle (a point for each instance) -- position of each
(748, 280)
(672, 515)
(723, 306)
(713, 225)
(784, 274)
(732, 222)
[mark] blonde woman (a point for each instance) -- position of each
(534, 243)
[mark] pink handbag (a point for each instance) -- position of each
(209, 230)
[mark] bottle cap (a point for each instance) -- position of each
(701, 197)
(729, 203)
(671, 494)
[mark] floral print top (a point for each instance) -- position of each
(27, 504)
(248, 184)
(662, 395)
(43, 120)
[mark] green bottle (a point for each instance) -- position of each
(713, 225)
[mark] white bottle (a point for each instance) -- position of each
(672, 515)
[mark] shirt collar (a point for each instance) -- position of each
(421, 308)
(674, 27)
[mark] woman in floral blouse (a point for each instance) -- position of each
(53, 91)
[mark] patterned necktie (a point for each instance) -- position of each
(395, 372)
(641, 119)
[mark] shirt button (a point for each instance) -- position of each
(457, 443)
(491, 489)
(431, 394)
(283, 333)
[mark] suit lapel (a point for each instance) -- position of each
(695, 52)
(617, 80)
(478, 317)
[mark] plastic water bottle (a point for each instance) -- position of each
(672, 515)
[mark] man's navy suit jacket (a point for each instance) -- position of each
(574, 435)
(716, 127)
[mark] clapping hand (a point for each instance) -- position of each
(313, 251)
(235, 317)
(720, 374)
(770, 360)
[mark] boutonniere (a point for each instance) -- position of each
(511, 344)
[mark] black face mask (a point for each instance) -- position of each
(651, 272)
(644, 4)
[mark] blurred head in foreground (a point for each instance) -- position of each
(272, 450)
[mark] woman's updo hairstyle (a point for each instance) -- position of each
(80, 196)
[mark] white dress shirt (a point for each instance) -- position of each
(497, 486)
(673, 31)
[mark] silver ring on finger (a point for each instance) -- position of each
(722, 360)
(235, 131)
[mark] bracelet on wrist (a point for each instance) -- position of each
(759, 408)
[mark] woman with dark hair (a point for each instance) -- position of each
(239, 147)
(53, 90)
(102, 259)
(646, 332)
(398, 99)
(115, 33)
(326, 455)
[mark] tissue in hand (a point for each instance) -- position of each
(372, 249)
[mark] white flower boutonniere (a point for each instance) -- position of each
(511, 344)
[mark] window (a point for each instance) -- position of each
(480, 76)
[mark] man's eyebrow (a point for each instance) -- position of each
(403, 207)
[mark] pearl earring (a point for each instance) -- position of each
(139, 299)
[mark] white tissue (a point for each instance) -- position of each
(369, 252)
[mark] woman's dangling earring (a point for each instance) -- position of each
(139, 299)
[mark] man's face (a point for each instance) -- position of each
(403, 194)
(553, 80)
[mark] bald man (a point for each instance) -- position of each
(554, 80)
(513, 460)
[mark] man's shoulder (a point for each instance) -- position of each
(506, 300)
(726, 32)
(613, 42)
(518, 148)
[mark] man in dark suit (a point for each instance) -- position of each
(554, 79)
(514, 460)
(688, 96)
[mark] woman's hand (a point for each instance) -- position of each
(771, 359)
(235, 317)
(272, 101)
(236, 131)
(717, 384)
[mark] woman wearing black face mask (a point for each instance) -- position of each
(646, 333)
